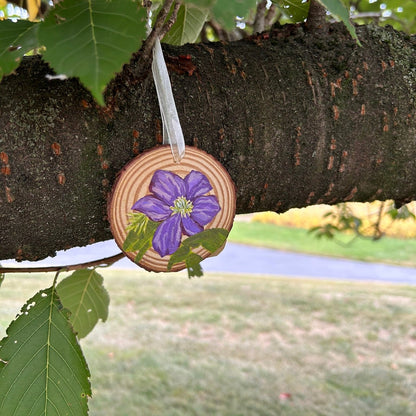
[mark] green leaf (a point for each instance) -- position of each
(193, 265)
(140, 242)
(403, 213)
(140, 228)
(84, 295)
(140, 236)
(201, 3)
(16, 39)
(295, 10)
(211, 240)
(326, 231)
(188, 25)
(146, 244)
(225, 11)
(132, 240)
(42, 368)
(92, 39)
(137, 221)
(2, 277)
(341, 12)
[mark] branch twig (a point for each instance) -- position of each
(106, 261)
(218, 30)
(172, 19)
(259, 20)
(316, 16)
(375, 15)
(158, 27)
(271, 14)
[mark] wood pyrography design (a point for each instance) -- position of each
(132, 190)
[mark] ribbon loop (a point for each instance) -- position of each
(172, 130)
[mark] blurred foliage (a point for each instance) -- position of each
(399, 14)
(369, 220)
(292, 11)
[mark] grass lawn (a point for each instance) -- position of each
(231, 345)
(387, 249)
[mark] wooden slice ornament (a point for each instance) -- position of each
(161, 204)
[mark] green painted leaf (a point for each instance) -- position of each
(138, 242)
(16, 39)
(145, 245)
(132, 241)
(193, 264)
(84, 295)
(188, 25)
(225, 11)
(140, 235)
(92, 39)
(211, 240)
(42, 368)
(341, 12)
(137, 221)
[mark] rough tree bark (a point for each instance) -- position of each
(296, 118)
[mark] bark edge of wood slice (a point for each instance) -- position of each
(133, 182)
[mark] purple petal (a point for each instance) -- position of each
(154, 208)
(167, 237)
(197, 184)
(167, 186)
(205, 209)
(190, 227)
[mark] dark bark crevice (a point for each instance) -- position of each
(296, 118)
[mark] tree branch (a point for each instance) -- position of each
(157, 29)
(259, 20)
(295, 119)
(204, 35)
(221, 34)
(270, 16)
(172, 19)
(108, 261)
(375, 16)
(316, 17)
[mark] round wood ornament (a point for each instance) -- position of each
(160, 211)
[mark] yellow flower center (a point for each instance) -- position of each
(182, 206)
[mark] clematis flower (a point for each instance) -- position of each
(180, 205)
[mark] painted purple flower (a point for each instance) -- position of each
(180, 205)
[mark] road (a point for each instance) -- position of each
(238, 258)
(245, 259)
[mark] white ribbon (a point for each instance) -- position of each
(172, 130)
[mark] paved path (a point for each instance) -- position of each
(245, 259)
(238, 258)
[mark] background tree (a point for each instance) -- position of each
(305, 112)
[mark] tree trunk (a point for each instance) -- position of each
(295, 118)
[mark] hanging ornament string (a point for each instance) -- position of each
(169, 213)
(172, 130)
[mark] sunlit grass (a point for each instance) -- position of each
(239, 345)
